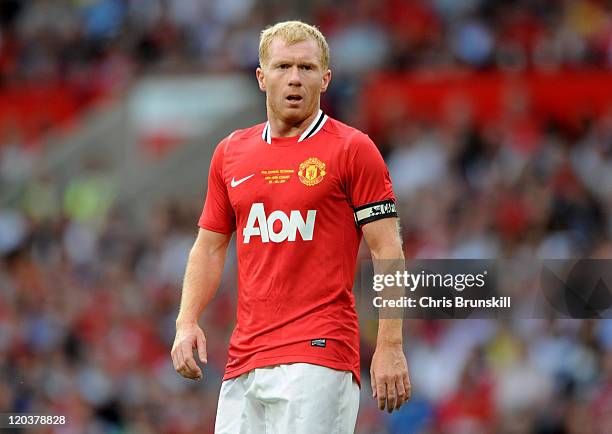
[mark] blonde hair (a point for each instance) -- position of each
(292, 32)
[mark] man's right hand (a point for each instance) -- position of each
(189, 337)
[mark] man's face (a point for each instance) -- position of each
(293, 79)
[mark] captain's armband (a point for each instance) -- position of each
(374, 211)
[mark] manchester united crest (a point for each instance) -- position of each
(311, 171)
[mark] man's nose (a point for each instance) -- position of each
(294, 76)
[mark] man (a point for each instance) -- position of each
(299, 190)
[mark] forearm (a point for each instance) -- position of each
(389, 370)
(389, 259)
(202, 277)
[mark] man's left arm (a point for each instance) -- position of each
(389, 369)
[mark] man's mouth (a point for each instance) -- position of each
(294, 98)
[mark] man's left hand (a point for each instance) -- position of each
(390, 377)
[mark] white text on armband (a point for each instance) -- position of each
(375, 211)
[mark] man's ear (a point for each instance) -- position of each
(326, 80)
(260, 79)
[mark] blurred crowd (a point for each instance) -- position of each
(88, 297)
(60, 57)
(497, 191)
(72, 53)
(46, 39)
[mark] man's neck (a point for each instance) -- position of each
(282, 128)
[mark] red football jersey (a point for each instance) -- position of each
(296, 204)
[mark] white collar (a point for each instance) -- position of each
(312, 129)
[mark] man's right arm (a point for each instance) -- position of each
(202, 278)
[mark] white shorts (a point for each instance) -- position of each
(297, 398)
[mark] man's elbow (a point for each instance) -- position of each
(383, 239)
(391, 249)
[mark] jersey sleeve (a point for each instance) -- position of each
(217, 214)
(368, 182)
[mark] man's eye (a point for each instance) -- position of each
(306, 67)
(283, 66)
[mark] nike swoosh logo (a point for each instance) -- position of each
(235, 183)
